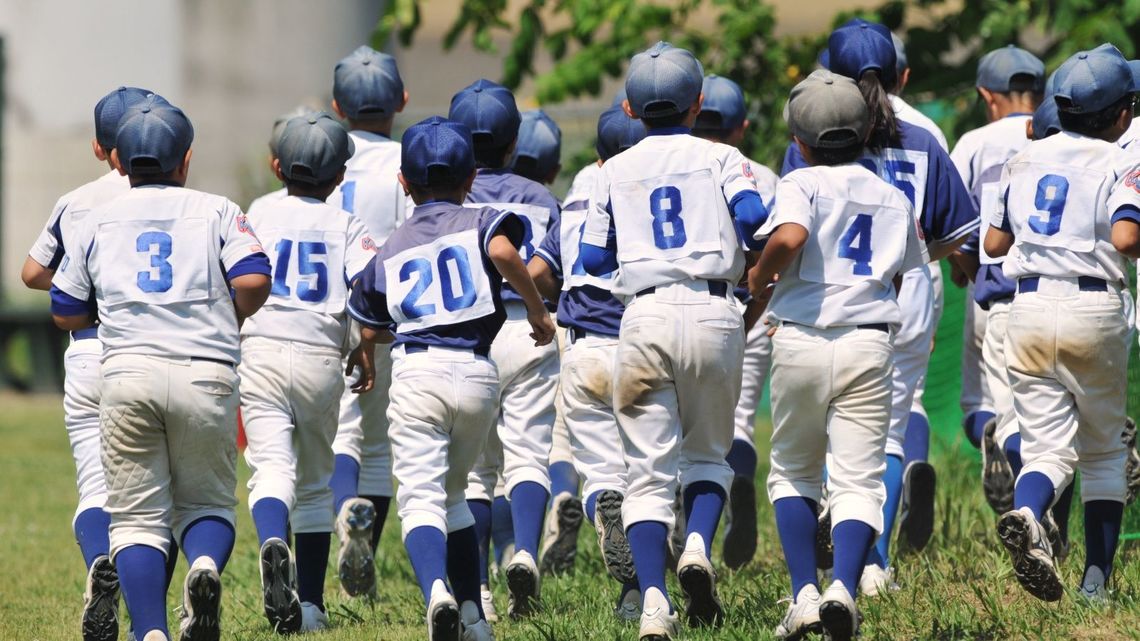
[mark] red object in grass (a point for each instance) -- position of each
(241, 432)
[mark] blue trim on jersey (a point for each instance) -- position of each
(555, 267)
(601, 261)
(991, 284)
(64, 304)
(668, 131)
(591, 309)
(85, 334)
(57, 232)
(742, 294)
(577, 205)
(256, 263)
(1126, 212)
(748, 213)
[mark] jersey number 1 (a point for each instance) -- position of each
(856, 244)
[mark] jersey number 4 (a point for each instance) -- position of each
(668, 228)
(421, 268)
(855, 244)
(1052, 192)
(306, 266)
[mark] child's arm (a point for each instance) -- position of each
(998, 242)
(506, 259)
(548, 285)
(783, 246)
(363, 358)
(250, 293)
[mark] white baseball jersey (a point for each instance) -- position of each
(371, 189)
(667, 200)
(317, 251)
(67, 216)
(906, 113)
(1128, 140)
(265, 201)
(861, 233)
(1057, 197)
(583, 185)
(154, 259)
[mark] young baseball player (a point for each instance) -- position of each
(840, 239)
(435, 284)
(592, 318)
(274, 141)
(291, 368)
(528, 373)
(669, 213)
(910, 159)
(722, 119)
(171, 272)
(1069, 207)
(368, 92)
(100, 621)
(538, 152)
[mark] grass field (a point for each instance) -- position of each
(960, 588)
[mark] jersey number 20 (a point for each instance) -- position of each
(856, 244)
(668, 228)
(421, 268)
(1052, 192)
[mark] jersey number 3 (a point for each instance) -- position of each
(1052, 192)
(160, 276)
(855, 244)
(668, 228)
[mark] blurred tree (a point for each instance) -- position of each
(590, 40)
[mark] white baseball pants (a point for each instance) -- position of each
(81, 385)
(362, 431)
(560, 448)
(997, 372)
(911, 350)
(976, 395)
(757, 363)
(169, 446)
(588, 402)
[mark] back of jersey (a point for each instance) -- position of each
(316, 251)
(371, 189)
(668, 197)
(68, 215)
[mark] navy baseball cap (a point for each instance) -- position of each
(110, 109)
(999, 66)
(439, 144)
(367, 85)
(1090, 81)
(824, 59)
(860, 46)
(901, 63)
(1046, 122)
(153, 137)
(827, 110)
(663, 81)
(488, 109)
(1134, 65)
(540, 139)
(723, 108)
(617, 132)
(619, 98)
(314, 148)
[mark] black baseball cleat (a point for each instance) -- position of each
(916, 519)
(101, 602)
(997, 474)
(560, 540)
(1028, 547)
(698, 584)
(202, 602)
(824, 546)
(611, 537)
(279, 587)
(1132, 463)
(740, 532)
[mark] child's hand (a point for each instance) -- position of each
(362, 359)
(542, 327)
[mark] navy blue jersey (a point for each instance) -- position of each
(586, 302)
(433, 283)
(533, 203)
(922, 170)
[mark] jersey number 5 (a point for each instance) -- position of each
(421, 268)
(668, 228)
(160, 276)
(306, 266)
(1052, 192)
(856, 244)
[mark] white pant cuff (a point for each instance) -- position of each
(421, 518)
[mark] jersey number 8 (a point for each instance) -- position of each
(668, 228)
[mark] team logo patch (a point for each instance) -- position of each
(747, 166)
(243, 225)
(368, 244)
(1133, 180)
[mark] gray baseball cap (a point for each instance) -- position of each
(367, 85)
(827, 110)
(1090, 81)
(999, 66)
(663, 81)
(314, 148)
(279, 126)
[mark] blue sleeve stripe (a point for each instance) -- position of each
(545, 256)
(577, 205)
(1127, 212)
(960, 232)
(57, 232)
(366, 319)
(492, 227)
(64, 304)
(257, 263)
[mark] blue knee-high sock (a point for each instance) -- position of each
(647, 541)
(1102, 532)
(916, 443)
(742, 458)
(1061, 510)
(704, 502)
(1034, 491)
(892, 479)
(975, 426)
(210, 536)
(563, 479)
(1012, 449)
(345, 480)
(853, 540)
(380, 504)
(92, 534)
(796, 522)
(427, 550)
(171, 562)
(270, 519)
(462, 568)
(142, 580)
(592, 506)
(502, 527)
(528, 508)
(481, 510)
(312, 554)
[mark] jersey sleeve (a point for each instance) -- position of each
(48, 249)
(1124, 199)
(368, 302)
(1000, 216)
(915, 255)
(72, 291)
(494, 222)
(599, 228)
(794, 204)
(736, 175)
(241, 253)
(949, 212)
(550, 250)
(360, 249)
(963, 158)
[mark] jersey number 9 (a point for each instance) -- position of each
(1052, 192)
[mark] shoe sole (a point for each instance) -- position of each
(445, 623)
(204, 599)
(703, 608)
(1132, 463)
(740, 536)
(559, 554)
(835, 621)
(356, 567)
(1037, 577)
(802, 633)
(282, 606)
(997, 475)
(824, 546)
(612, 540)
(522, 585)
(101, 612)
(917, 520)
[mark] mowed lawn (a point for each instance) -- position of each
(960, 588)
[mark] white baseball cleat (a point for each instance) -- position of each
(698, 584)
(313, 618)
(628, 607)
(488, 600)
(1032, 557)
(101, 602)
(442, 614)
(279, 587)
(838, 615)
(355, 564)
(560, 537)
(1093, 590)
(658, 620)
(802, 617)
(202, 602)
(522, 585)
(153, 635)
(475, 628)
(876, 580)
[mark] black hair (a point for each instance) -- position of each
(488, 155)
(884, 123)
(1093, 124)
(307, 186)
(440, 179)
(661, 122)
(831, 156)
(1025, 83)
(710, 126)
(527, 167)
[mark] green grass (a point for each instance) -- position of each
(960, 588)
